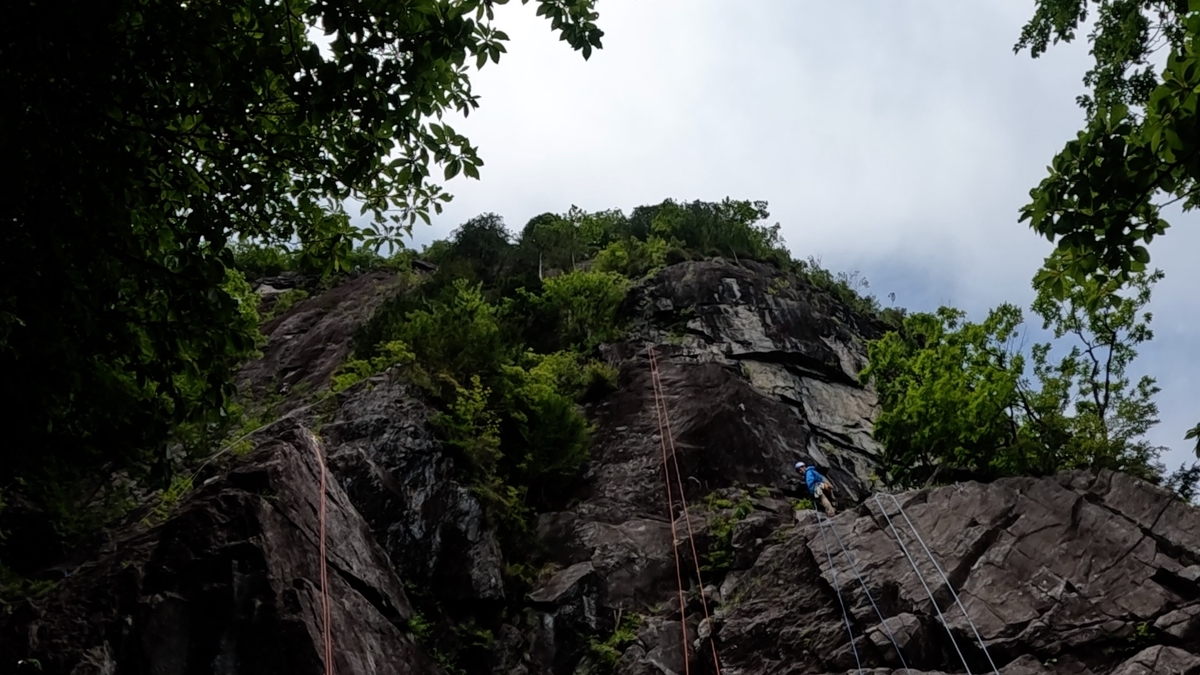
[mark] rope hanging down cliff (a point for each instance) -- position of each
(670, 458)
(667, 440)
(671, 517)
(941, 573)
(837, 591)
(823, 521)
(325, 622)
(928, 592)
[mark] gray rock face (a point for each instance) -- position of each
(306, 344)
(759, 371)
(230, 583)
(1081, 573)
(387, 458)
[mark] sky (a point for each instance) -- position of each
(895, 139)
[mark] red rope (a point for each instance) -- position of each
(670, 512)
(325, 622)
(670, 437)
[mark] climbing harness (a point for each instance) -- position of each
(945, 580)
(666, 438)
(325, 622)
(882, 621)
(838, 592)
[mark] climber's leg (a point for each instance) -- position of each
(822, 496)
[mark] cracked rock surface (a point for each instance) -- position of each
(230, 583)
(1079, 574)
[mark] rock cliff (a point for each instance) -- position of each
(1080, 573)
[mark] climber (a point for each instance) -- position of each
(817, 485)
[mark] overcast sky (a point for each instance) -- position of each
(898, 139)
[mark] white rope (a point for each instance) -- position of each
(882, 621)
(947, 582)
(837, 591)
(921, 578)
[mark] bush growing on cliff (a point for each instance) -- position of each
(956, 400)
(512, 413)
(585, 305)
(633, 257)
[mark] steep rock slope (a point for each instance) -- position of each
(228, 584)
(1077, 574)
(758, 369)
(307, 343)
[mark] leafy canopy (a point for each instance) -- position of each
(141, 137)
(1102, 201)
(956, 401)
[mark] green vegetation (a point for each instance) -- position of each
(394, 353)
(503, 340)
(608, 652)
(723, 515)
(1104, 198)
(957, 401)
(1140, 136)
(168, 499)
(141, 140)
(802, 505)
(286, 301)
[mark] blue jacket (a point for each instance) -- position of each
(813, 478)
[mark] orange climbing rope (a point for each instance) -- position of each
(668, 439)
(325, 623)
(659, 406)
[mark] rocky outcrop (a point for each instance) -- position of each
(759, 369)
(388, 459)
(229, 583)
(1081, 573)
(306, 344)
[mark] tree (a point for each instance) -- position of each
(1185, 482)
(1110, 413)
(586, 305)
(1138, 145)
(726, 228)
(554, 241)
(141, 137)
(956, 401)
(947, 389)
(1102, 202)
